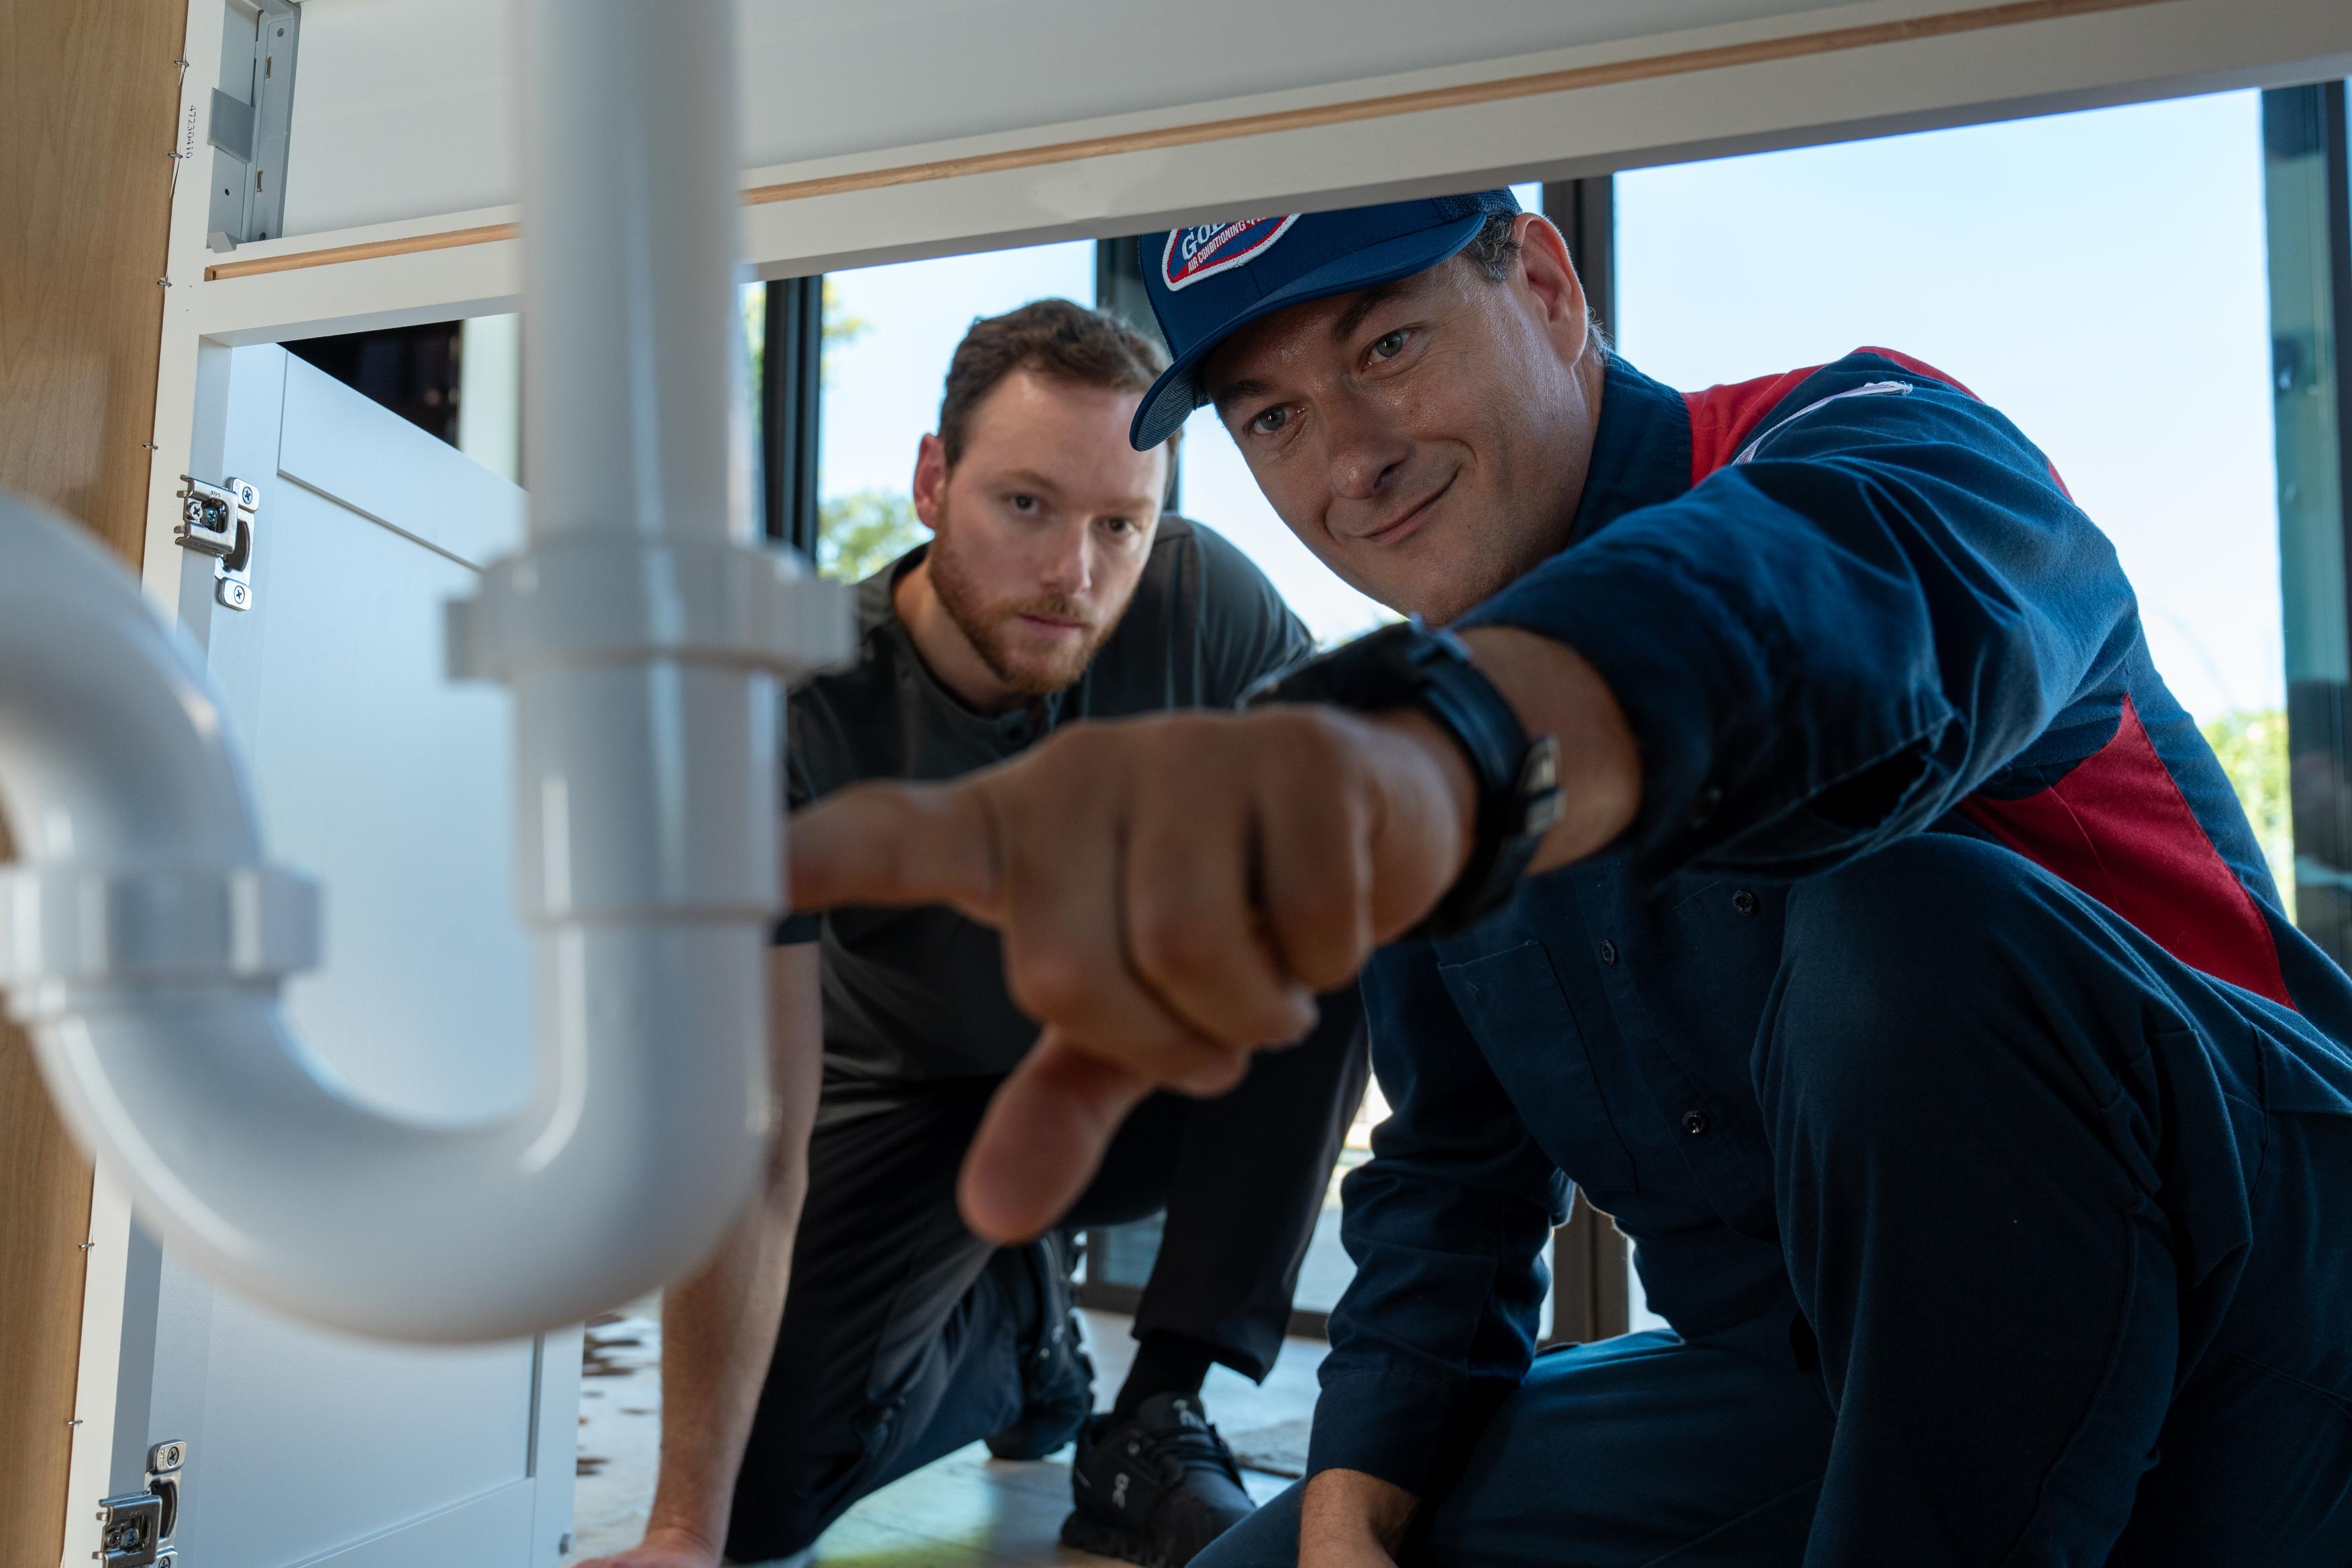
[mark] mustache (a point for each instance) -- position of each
(1052, 607)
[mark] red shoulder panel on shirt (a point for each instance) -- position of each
(1919, 367)
(2119, 829)
(2118, 825)
(1721, 416)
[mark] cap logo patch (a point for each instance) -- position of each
(1206, 249)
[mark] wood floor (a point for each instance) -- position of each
(967, 1511)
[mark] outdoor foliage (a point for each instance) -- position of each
(861, 533)
(839, 329)
(2252, 745)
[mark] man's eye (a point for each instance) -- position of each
(1024, 503)
(1271, 420)
(1391, 346)
(1119, 524)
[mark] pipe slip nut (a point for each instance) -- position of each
(609, 600)
(65, 928)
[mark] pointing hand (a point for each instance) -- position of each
(1173, 892)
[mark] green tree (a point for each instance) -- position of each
(2252, 746)
(860, 533)
(751, 303)
(857, 534)
(838, 329)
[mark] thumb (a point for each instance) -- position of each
(1042, 1139)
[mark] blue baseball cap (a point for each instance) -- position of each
(1210, 280)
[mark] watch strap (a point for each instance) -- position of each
(1413, 665)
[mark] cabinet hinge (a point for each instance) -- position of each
(218, 521)
(135, 1528)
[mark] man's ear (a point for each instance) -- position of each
(931, 481)
(1551, 279)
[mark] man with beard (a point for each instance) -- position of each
(1053, 591)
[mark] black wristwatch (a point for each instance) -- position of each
(1413, 666)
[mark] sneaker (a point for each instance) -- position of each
(1154, 1489)
(1057, 1380)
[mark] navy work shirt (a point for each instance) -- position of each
(1838, 607)
(917, 997)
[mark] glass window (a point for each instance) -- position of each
(2306, 190)
(889, 334)
(2097, 277)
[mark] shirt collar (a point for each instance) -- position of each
(1641, 450)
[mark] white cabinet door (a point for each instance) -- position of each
(392, 785)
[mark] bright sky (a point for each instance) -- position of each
(2099, 277)
(882, 389)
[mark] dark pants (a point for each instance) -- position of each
(2071, 1228)
(902, 1333)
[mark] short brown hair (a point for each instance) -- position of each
(1055, 338)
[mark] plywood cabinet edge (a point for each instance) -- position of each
(95, 87)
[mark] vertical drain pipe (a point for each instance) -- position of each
(144, 936)
(647, 803)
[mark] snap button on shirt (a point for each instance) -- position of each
(1608, 953)
(1744, 902)
(1696, 1123)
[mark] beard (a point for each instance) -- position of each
(995, 630)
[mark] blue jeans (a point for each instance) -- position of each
(2071, 1237)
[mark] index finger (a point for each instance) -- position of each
(888, 843)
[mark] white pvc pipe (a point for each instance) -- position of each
(631, 216)
(145, 938)
(639, 1143)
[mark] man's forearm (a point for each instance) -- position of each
(719, 1333)
(718, 1327)
(1347, 1515)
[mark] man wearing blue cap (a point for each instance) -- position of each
(1789, 840)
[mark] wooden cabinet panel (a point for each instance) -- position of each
(88, 95)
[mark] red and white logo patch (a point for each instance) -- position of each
(1206, 249)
